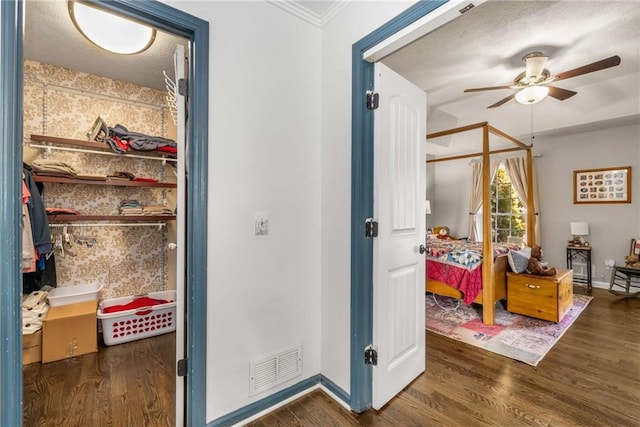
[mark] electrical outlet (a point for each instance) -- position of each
(261, 223)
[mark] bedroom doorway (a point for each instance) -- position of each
(410, 25)
(171, 20)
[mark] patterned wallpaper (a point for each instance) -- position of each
(64, 103)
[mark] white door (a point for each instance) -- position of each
(181, 125)
(398, 265)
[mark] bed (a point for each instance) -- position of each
(490, 276)
(454, 269)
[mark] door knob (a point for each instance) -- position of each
(422, 249)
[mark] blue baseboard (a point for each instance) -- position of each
(333, 388)
(276, 398)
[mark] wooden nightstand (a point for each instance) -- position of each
(543, 297)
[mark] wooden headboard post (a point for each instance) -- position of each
(488, 292)
(531, 208)
(488, 304)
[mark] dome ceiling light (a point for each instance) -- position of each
(110, 32)
(532, 94)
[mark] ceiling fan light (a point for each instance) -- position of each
(110, 32)
(534, 66)
(532, 94)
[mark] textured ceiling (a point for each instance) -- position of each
(483, 47)
(51, 38)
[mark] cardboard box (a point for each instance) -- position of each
(69, 331)
(32, 347)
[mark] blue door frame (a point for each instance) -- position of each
(172, 21)
(362, 201)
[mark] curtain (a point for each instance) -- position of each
(517, 169)
(475, 198)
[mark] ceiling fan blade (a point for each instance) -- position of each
(480, 89)
(559, 93)
(502, 101)
(589, 68)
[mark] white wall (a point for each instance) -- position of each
(264, 155)
(450, 206)
(611, 225)
(352, 24)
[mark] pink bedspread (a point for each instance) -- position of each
(458, 264)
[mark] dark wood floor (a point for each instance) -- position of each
(130, 384)
(590, 378)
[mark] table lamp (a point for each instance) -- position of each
(578, 230)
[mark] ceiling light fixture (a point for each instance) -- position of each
(532, 94)
(110, 32)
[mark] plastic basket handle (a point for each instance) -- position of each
(143, 311)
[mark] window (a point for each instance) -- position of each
(508, 215)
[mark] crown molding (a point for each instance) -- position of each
(298, 9)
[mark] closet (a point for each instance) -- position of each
(95, 242)
(130, 255)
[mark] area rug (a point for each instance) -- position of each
(518, 337)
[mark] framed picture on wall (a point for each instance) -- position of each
(606, 185)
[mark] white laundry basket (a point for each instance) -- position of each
(135, 324)
(73, 294)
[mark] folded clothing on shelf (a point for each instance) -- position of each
(156, 210)
(131, 211)
(140, 141)
(130, 207)
(92, 176)
(53, 168)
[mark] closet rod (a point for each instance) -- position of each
(83, 150)
(111, 224)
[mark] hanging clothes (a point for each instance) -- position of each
(44, 272)
(38, 214)
(28, 250)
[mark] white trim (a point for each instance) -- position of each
(335, 8)
(599, 285)
(431, 21)
(298, 9)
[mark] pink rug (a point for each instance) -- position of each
(518, 337)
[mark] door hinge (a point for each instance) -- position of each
(183, 87)
(182, 368)
(372, 100)
(371, 227)
(371, 355)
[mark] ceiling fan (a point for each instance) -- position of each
(533, 84)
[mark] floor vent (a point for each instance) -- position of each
(269, 371)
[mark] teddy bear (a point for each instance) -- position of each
(535, 266)
(443, 233)
(632, 261)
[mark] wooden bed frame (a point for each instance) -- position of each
(500, 267)
(494, 278)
